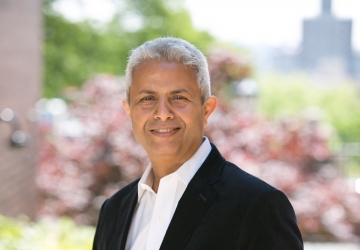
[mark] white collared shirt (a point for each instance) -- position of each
(154, 211)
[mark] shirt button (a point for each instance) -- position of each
(160, 218)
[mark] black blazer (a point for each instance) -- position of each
(222, 208)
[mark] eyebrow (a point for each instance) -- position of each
(147, 91)
(151, 92)
(178, 91)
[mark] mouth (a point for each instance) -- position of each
(164, 131)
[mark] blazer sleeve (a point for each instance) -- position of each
(270, 223)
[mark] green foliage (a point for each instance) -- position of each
(340, 104)
(46, 234)
(73, 52)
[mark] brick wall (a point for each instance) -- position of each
(20, 84)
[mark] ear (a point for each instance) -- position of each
(126, 107)
(209, 107)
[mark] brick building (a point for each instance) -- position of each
(20, 86)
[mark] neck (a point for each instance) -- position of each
(164, 165)
(163, 168)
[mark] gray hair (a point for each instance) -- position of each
(173, 50)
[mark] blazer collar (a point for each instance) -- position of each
(196, 199)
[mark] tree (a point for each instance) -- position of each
(73, 52)
(283, 96)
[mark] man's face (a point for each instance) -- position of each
(165, 109)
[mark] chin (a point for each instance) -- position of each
(163, 149)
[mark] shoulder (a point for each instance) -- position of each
(125, 191)
(230, 180)
(248, 191)
(237, 180)
(263, 211)
(113, 218)
(123, 195)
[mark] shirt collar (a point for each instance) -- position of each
(186, 172)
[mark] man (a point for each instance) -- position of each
(189, 197)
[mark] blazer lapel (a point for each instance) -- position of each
(196, 199)
(124, 220)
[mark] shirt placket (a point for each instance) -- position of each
(162, 212)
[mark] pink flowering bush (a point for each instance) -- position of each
(226, 66)
(76, 175)
(293, 156)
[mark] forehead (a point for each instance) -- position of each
(162, 66)
(162, 74)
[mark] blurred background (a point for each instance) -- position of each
(286, 74)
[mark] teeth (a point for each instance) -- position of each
(163, 130)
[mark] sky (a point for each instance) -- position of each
(266, 22)
(244, 22)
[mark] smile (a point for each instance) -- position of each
(164, 130)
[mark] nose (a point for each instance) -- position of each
(163, 110)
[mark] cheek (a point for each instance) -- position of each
(135, 119)
(197, 120)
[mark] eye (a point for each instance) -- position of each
(178, 97)
(147, 98)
